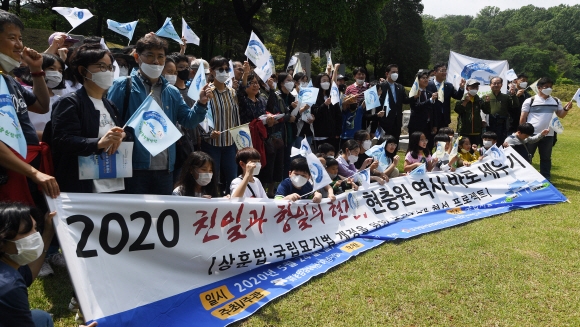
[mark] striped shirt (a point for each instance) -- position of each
(226, 114)
(359, 91)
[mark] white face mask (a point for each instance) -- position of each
(303, 85)
(523, 85)
(360, 81)
(171, 79)
(123, 71)
(289, 86)
(204, 178)
(53, 78)
(152, 71)
(367, 144)
(352, 159)
(274, 85)
(333, 176)
(8, 63)
(487, 144)
(103, 80)
(325, 85)
(547, 91)
(431, 78)
(222, 77)
(298, 180)
(473, 92)
(257, 169)
(394, 76)
(29, 249)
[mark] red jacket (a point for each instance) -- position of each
(259, 135)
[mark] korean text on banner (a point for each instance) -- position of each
(189, 257)
(10, 128)
(152, 127)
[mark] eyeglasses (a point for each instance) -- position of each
(179, 69)
(104, 68)
(253, 83)
(151, 57)
(221, 70)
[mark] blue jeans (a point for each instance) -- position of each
(544, 147)
(150, 182)
(224, 160)
(41, 318)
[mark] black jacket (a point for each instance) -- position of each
(421, 114)
(393, 122)
(328, 119)
(442, 111)
(75, 130)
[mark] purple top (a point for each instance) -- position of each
(344, 168)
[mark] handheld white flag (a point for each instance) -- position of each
(496, 154)
(75, 16)
(207, 124)
(308, 95)
(534, 86)
(440, 152)
(188, 33)
(10, 128)
(577, 97)
(304, 150)
(318, 173)
(293, 61)
(421, 170)
(265, 70)
(298, 68)
(329, 59)
(414, 88)
(230, 82)
(455, 148)
(511, 75)
(364, 176)
(242, 136)
(556, 125)
(387, 104)
(441, 93)
(256, 51)
(372, 98)
(125, 29)
(334, 94)
(168, 31)
(152, 127)
(197, 84)
(377, 152)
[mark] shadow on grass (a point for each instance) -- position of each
(58, 290)
(565, 182)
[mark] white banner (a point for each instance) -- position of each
(465, 67)
(130, 251)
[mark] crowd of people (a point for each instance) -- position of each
(69, 105)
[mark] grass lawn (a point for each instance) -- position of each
(516, 269)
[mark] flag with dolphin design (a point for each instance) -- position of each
(168, 31)
(10, 129)
(74, 16)
(188, 34)
(125, 29)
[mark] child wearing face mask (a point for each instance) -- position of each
(467, 154)
(363, 138)
(170, 70)
(247, 185)
(445, 162)
(196, 178)
(297, 185)
(489, 139)
(53, 67)
(339, 184)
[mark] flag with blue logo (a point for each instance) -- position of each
(304, 150)
(265, 70)
(256, 51)
(241, 136)
(197, 84)
(308, 95)
(293, 61)
(496, 154)
(320, 177)
(207, 124)
(556, 124)
(10, 129)
(372, 98)
(334, 94)
(387, 104)
(577, 97)
(152, 127)
(511, 75)
(454, 149)
(421, 170)
(364, 177)
(379, 133)
(377, 152)
(168, 31)
(125, 29)
(414, 88)
(188, 34)
(75, 16)
(230, 82)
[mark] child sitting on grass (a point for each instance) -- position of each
(467, 154)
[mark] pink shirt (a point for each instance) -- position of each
(420, 158)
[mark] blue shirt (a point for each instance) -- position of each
(286, 188)
(393, 91)
(14, 307)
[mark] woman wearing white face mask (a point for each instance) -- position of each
(328, 123)
(348, 157)
(84, 123)
(197, 177)
(53, 67)
(22, 252)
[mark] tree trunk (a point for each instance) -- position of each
(6, 5)
(245, 17)
(290, 42)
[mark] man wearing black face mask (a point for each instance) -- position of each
(182, 65)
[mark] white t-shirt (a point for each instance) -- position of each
(39, 120)
(541, 112)
(68, 88)
(105, 124)
(256, 186)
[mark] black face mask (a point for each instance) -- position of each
(342, 88)
(183, 74)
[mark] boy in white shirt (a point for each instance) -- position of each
(246, 185)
